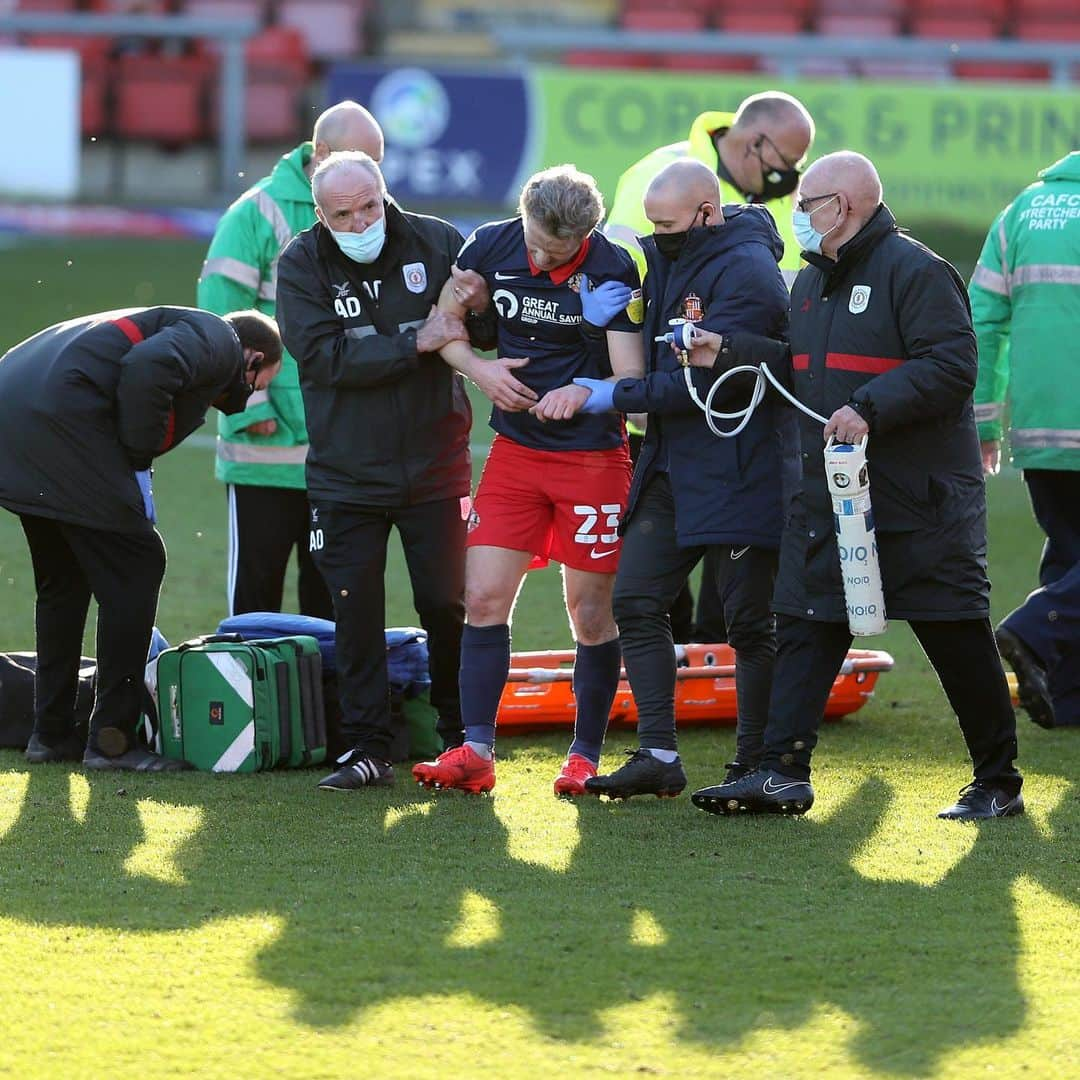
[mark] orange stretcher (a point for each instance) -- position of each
(539, 694)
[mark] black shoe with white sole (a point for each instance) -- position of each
(761, 792)
(357, 769)
(980, 801)
(1031, 686)
(643, 774)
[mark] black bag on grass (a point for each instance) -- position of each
(17, 697)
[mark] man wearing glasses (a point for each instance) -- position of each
(881, 344)
(757, 153)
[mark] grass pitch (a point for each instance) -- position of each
(251, 926)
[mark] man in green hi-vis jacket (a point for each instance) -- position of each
(261, 451)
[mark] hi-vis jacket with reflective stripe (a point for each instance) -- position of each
(241, 272)
(626, 218)
(1025, 301)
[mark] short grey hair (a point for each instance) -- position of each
(346, 159)
(564, 202)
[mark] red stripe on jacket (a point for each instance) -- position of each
(135, 335)
(801, 361)
(129, 329)
(872, 365)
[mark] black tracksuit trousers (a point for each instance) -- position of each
(265, 524)
(348, 543)
(123, 572)
(652, 570)
(962, 652)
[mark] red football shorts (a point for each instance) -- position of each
(557, 504)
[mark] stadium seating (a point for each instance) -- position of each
(333, 29)
(46, 6)
(959, 20)
(277, 76)
(1046, 20)
(761, 16)
(162, 98)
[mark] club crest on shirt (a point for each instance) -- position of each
(692, 309)
(415, 275)
(574, 282)
(860, 297)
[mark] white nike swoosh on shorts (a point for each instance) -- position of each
(594, 554)
(505, 277)
(739, 554)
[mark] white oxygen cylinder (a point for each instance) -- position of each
(853, 519)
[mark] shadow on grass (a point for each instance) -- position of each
(748, 923)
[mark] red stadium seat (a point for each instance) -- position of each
(956, 27)
(162, 98)
(46, 5)
(130, 7)
(94, 60)
(277, 75)
(1048, 29)
(332, 28)
(664, 19)
(1001, 70)
(709, 62)
(603, 58)
(761, 16)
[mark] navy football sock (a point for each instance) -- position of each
(596, 678)
(485, 663)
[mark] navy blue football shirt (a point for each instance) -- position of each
(540, 318)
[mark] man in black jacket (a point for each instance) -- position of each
(388, 425)
(694, 493)
(882, 345)
(85, 407)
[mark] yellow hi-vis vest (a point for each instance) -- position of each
(627, 221)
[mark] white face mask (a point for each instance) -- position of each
(362, 247)
(807, 237)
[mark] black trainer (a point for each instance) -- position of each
(69, 748)
(1030, 677)
(761, 792)
(980, 801)
(642, 774)
(357, 769)
(137, 760)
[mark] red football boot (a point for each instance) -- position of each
(461, 768)
(572, 776)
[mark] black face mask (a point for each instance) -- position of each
(775, 183)
(234, 399)
(671, 245)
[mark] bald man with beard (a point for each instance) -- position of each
(261, 451)
(693, 493)
(882, 345)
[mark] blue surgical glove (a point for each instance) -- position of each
(600, 305)
(601, 395)
(143, 478)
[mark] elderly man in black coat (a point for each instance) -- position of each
(882, 345)
(85, 407)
